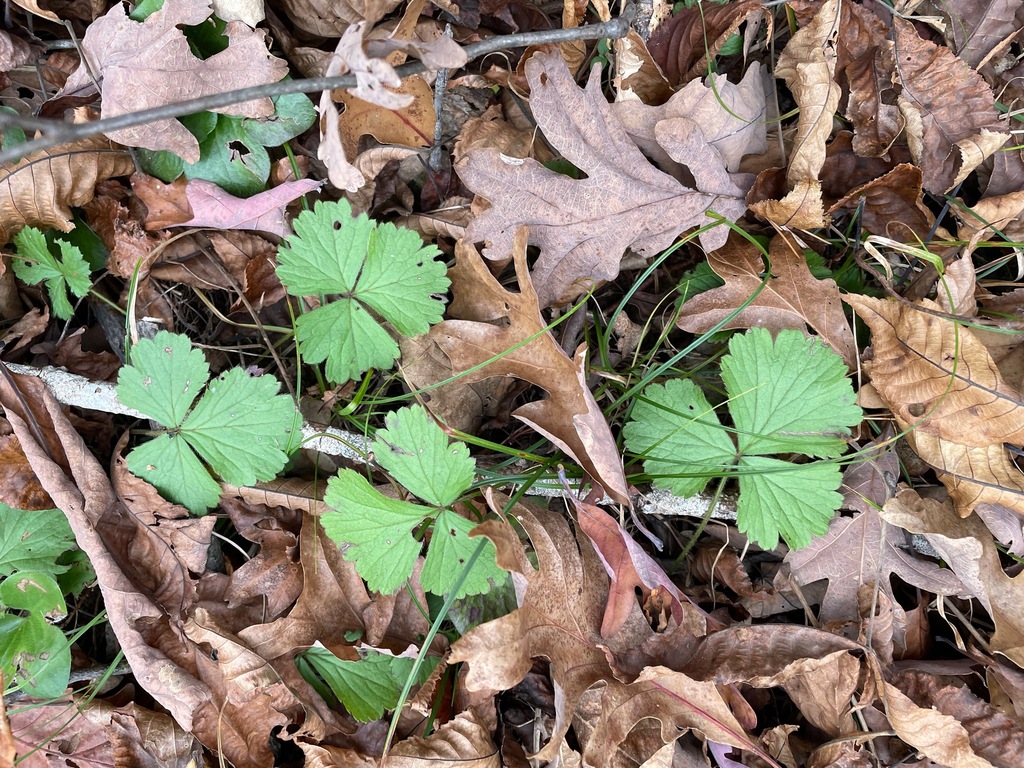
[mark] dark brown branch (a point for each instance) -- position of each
(58, 132)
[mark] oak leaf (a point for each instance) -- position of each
(524, 348)
(120, 53)
(559, 617)
(793, 297)
(40, 189)
(584, 226)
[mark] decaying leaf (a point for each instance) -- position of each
(41, 189)
(570, 416)
(584, 226)
(793, 298)
(808, 66)
(120, 52)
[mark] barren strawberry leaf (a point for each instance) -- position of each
(373, 267)
(35, 264)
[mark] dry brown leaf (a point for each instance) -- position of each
(411, 125)
(685, 44)
(559, 617)
(892, 205)
(330, 18)
(808, 65)
(864, 549)
(952, 121)
(120, 53)
(966, 545)
(569, 417)
(464, 741)
(979, 27)
(730, 117)
(19, 487)
(877, 120)
(677, 701)
(491, 129)
(793, 298)
(584, 226)
(40, 190)
(637, 75)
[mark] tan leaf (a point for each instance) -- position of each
(40, 190)
(559, 617)
(966, 545)
(411, 125)
(808, 65)
(952, 122)
(330, 18)
(637, 75)
(584, 226)
(677, 701)
(464, 741)
(120, 52)
(730, 117)
(936, 377)
(570, 416)
(793, 298)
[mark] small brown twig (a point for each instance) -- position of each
(56, 132)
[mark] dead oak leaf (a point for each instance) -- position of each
(583, 226)
(559, 617)
(793, 297)
(505, 333)
(149, 64)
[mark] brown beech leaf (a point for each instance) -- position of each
(677, 701)
(569, 417)
(892, 205)
(808, 65)
(40, 190)
(967, 546)
(584, 226)
(952, 122)
(979, 26)
(793, 298)
(683, 45)
(730, 117)
(864, 549)
(559, 617)
(120, 53)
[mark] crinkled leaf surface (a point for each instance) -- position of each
(35, 264)
(380, 267)
(584, 226)
(789, 395)
(239, 426)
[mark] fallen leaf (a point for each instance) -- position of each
(559, 617)
(793, 297)
(166, 204)
(40, 189)
(979, 26)
(411, 125)
(213, 207)
(584, 226)
(891, 205)
(120, 53)
(968, 548)
(570, 416)
(464, 740)
(952, 122)
(808, 65)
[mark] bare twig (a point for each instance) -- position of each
(58, 132)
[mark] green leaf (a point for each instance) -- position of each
(790, 396)
(415, 451)
(34, 655)
(34, 264)
(34, 591)
(230, 158)
(33, 540)
(293, 114)
(377, 530)
(677, 433)
(450, 550)
(380, 268)
(369, 687)
(239, 426)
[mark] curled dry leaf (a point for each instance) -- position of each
(559, 617)
(891, 205)
(524, 348)
(952, 122)
(793, 297)
(967, 546)
(808, 65)
(464, 740)
(40, 190)
(120, 52)
(584, 226)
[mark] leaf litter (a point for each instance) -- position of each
(753, 256)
